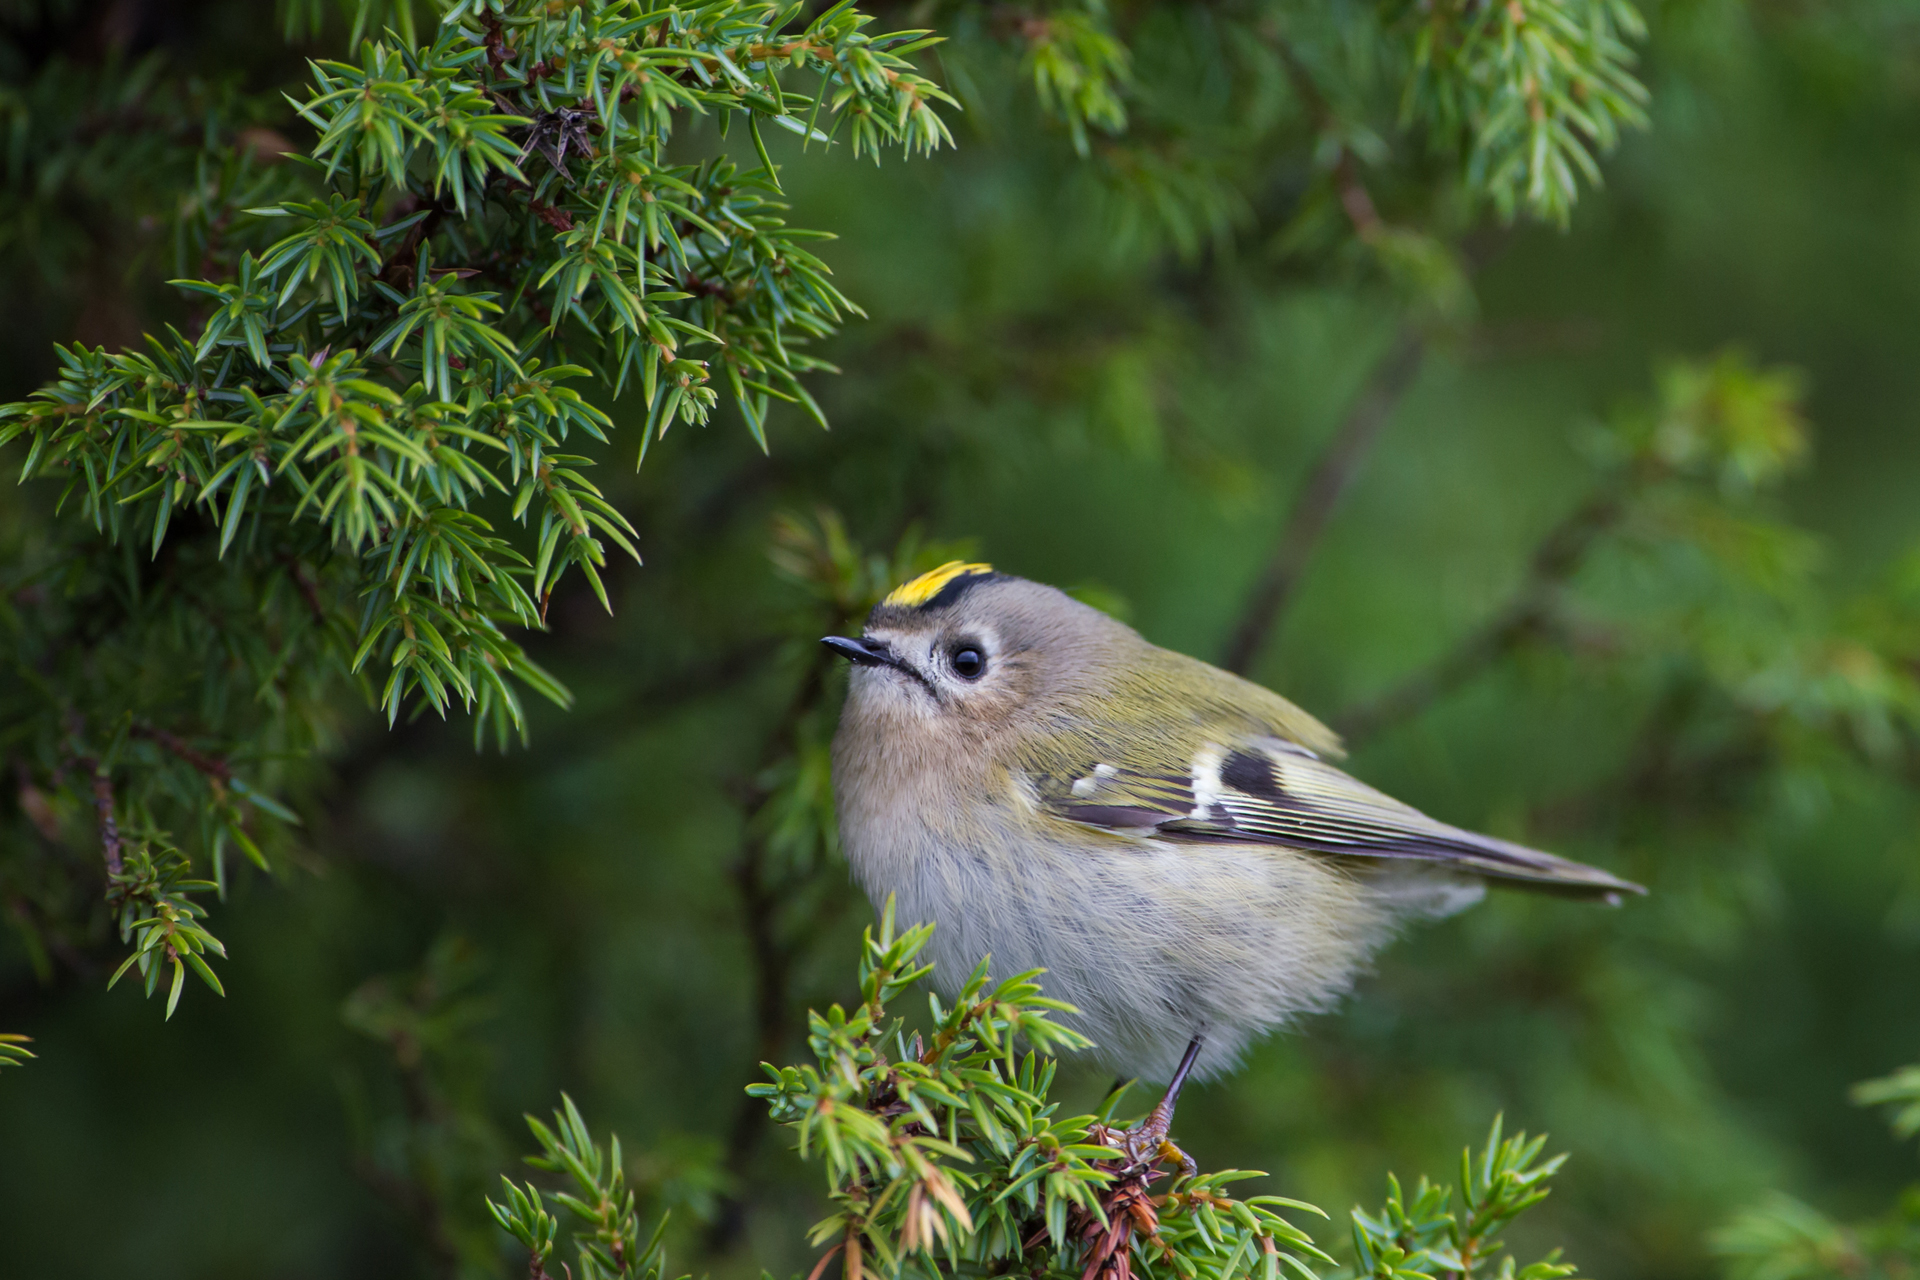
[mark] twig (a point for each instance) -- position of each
(308, 591)
(212, 766)
(103, 812)
(1332, 475)
(1527, 613)
(33, 803)
(1648, 767)
(411, 1198)
(496, 43)
(772, 957)
(1340, 462)
(102, 792)
(426, 1111)
(1355, 199)
(399, 266)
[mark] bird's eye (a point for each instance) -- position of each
(968, 662)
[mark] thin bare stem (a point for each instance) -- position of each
(1528, 613)
(1326, 484)
(103, 813)
(762, 893)
(213, 766)
(1355, 200)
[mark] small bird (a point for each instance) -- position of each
(1170, 842)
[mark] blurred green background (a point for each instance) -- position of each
(1103, 414)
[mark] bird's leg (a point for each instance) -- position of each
(1125, 1204)
(1146, 1143)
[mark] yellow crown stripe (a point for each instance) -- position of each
(918, 591)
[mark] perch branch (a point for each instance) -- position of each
(1326, 484)
(1527, 613)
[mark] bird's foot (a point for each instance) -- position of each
(1145, 1151)
(1126, 1205)
(1148, 1144)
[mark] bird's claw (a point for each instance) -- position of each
(1148, 1144)
(1143, 1156)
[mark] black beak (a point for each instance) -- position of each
(865, 653)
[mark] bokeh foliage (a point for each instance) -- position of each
(1784, 1238)
(1622, 564)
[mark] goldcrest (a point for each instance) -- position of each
(1171, 843)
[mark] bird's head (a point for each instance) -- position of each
(964, 651)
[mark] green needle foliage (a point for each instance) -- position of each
(162, 923)
(944, 1156)
(358, 458)
(604, 1226)
(1436, 1233)
(1783, 1238)
(1900, 1093)
(359, 419)
(352, 391)
(367, 315)
(1532, 92)
(13, 1049)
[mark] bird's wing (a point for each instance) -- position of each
(1269, 790)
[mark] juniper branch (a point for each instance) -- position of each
(1327, 481)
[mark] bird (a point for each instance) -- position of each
(1173, 845)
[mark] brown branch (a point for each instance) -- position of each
(1527, 614)
(34, 804)
(424, 1110)
(554, 216)
(398, 269)
(1326, 484)
(418, 1203)
(761, 896)
(1340, 462)
(496, 44)
(213, 766)
(764, 891)
(1653, 773)
(103, 812)
(308, 591)
(1355, 199)
(102, 792)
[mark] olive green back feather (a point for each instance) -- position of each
(1184, 751)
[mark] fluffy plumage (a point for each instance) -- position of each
(1167, 840)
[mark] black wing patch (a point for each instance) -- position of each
(1251, 774)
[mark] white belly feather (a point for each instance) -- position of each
(1152, 941)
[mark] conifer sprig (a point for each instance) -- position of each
(1438, 1232)
(944, 1154)
(945, 1157)
(13, 1049)
(382, 375)
(604, 1222)
(1784, 1238)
